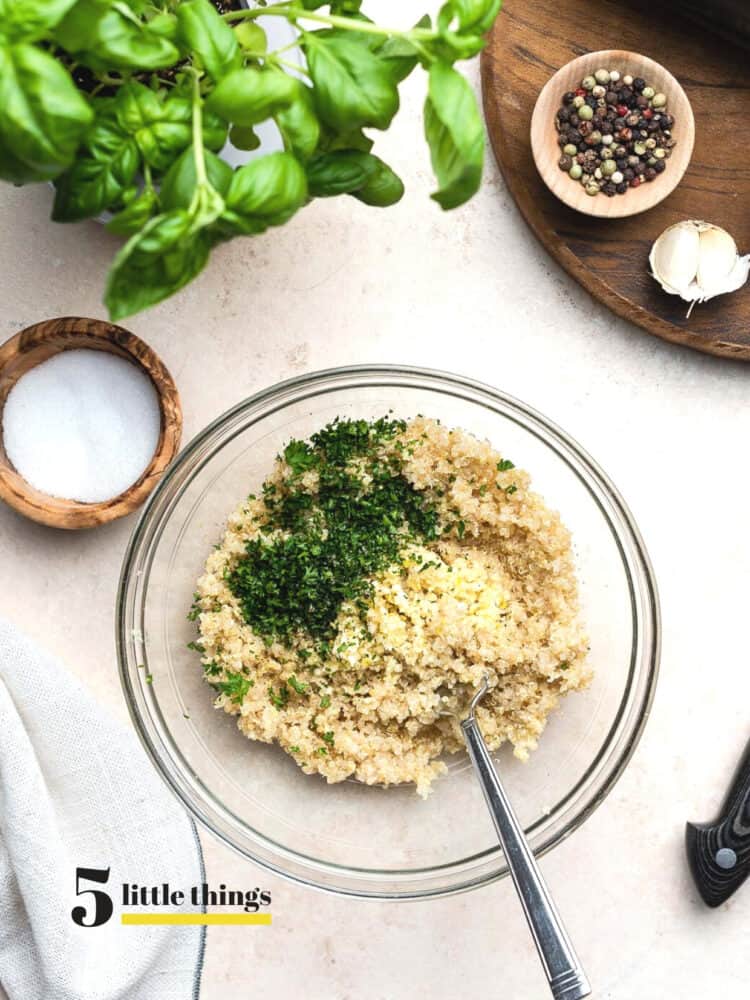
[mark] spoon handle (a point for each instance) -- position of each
(565, 975)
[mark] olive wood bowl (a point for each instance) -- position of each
(41, 341)
(544, 134)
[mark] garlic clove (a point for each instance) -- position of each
(697, 261)
(716, 261)
(675, 257)
(736, 278)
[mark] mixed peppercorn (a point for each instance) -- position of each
(615, 133)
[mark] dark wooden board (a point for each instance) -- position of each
(609, 257)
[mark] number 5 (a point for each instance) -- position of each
(103, 904)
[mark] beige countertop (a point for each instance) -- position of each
(470, 292)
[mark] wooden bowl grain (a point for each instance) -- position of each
(41, 341)
(544, 135)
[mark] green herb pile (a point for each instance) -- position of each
(333, 539)
(127, 104)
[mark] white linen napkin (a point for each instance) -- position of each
(76, 790)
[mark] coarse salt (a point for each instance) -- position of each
(82, 425)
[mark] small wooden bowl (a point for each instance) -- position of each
(544, 134)
(41, 341)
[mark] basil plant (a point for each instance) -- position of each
(126, 105)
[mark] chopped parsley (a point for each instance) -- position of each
(504, 465)
(325, 701)
(328, 738)
(510, 490)
(354, 525)
(281, 699)
(298, 686)
(235, 687)
(294, 750)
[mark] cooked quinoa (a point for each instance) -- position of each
(367, 675)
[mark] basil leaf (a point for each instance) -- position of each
(383, 187)
(180, 182)
(155, 263)
(98, 177)
(340, 172)
(136, 213)
(251, 37)
(243, 137)
(400, 56)
(298, 124)
(250, 96)
(163, 129)
(455, 135)
(203, 32)
(29, 20)
(353, 172)
(102, 37)
(353, 87)
(475, 15)
(265, 192)
(42, 115)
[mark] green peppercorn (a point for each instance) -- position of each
(651, 143)
(602, 76)
(576, 171)
(606, 153)
(659, 101)
(570, 150)
(592, 188)
(609, 167)
(588, 83)
(585, 113)
(640, 148)
(648, 92)
(660, 153)
(595, 138)
(578, 101)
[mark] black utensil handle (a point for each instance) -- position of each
(719, 852)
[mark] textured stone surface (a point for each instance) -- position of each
(470, 292)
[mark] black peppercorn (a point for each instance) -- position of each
(660, 166)
(563, 114)
(605, 128)
(565, 162)
(619, 122)
(611, 97)
(574, 120)
(625, 95)
(562, 140)
(666, 121)
(639, 168)
(622, 188)
(638, 84)
(609, 189)
(650, 173)
(569, 97)
(622, 163)
(641, 101)
(652, 126)
(628, 173)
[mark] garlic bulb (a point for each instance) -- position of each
(697, 261)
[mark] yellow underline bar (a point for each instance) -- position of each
(197, 919)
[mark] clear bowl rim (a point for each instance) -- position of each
(318, 874)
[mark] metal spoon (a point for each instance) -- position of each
(566, 977)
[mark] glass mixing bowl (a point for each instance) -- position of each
(351, 838)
